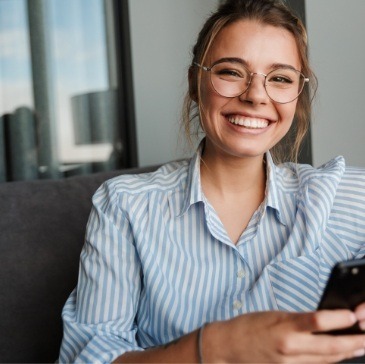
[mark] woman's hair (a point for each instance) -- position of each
(268, 12)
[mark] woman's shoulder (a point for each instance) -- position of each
(335, 172)
(334, 168)
(352, 183)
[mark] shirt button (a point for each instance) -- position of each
(241, 273)
(237, 305)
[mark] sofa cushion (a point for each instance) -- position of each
(42, 225)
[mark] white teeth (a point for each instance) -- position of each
(252, 123)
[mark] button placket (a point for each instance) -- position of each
(240, 274)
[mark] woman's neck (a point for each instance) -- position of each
(235, 187)
(227, 175)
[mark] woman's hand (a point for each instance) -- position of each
(360, 315)
(269, 337)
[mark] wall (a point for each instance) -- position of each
(163, 32)
(337, 48)
(162, 35)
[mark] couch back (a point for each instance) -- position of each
(42, 225)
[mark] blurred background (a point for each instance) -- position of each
(93, 85)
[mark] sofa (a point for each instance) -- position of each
(42, 226)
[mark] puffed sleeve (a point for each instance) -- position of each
(347, 222)
(99, 316)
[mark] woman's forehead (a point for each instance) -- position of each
(256, 43)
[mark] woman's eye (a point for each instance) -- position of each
(280, 79)
(229, 73)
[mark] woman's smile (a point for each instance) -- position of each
(248, 122)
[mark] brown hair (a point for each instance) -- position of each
(270, 12)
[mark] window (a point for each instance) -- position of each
(62, 110)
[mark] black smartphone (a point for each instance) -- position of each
(345, 289)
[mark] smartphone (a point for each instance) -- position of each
(345, 289)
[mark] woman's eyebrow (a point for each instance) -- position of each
(282, 65)
(247, 65)
(231, 60)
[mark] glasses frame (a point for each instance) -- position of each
(209, 69)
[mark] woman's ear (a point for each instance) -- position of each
(193, 93)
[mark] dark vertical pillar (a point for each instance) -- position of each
(3, 168)
(305, 155)
(43, 88)
(126, 111)
(111, 45)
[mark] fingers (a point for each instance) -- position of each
(306, 359)
(322, 345)
(330, 348)
(349, 345)
(360, 315)
(289, 337)
(325, 320)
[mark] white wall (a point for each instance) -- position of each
(162, 35)
(336, 31)
(163, 32)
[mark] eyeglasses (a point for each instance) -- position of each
(232, 79)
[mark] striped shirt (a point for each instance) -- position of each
(157, 262)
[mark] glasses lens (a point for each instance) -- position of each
(284, 84)
(229, 79)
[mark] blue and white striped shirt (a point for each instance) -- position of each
(157, 262)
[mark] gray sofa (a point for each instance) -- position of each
(42, 225)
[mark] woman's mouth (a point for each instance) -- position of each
(248, 122)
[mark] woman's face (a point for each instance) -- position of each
(261, 48)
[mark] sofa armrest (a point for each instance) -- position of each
(42, 228)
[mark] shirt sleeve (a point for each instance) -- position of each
(99, 316)
(347, 222)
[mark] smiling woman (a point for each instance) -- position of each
(223, 257)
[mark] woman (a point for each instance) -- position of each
(223, 258)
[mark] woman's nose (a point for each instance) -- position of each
(256, 92)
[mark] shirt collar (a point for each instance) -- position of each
(292, 179)
(276, 193)
(193, 187)
(273, 193)
(194, 191)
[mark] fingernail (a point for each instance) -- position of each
(362, 325)
(359, 352)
